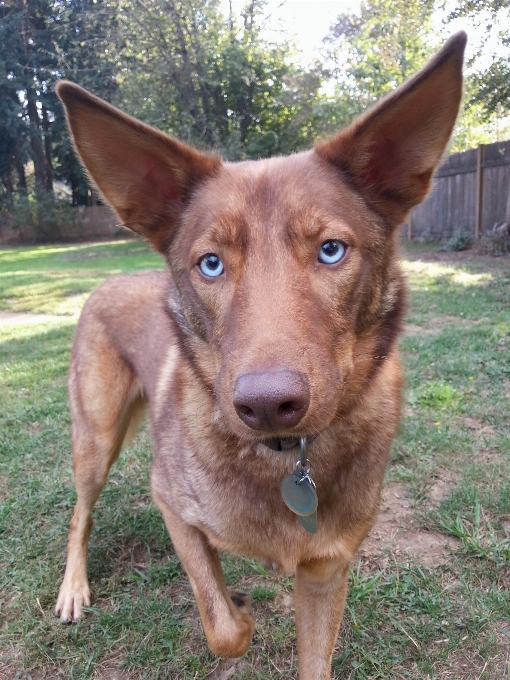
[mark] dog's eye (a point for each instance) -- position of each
(211, 265)
(331, 252)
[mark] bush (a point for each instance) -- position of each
(497, 242)
(39, 215)
(459, 241)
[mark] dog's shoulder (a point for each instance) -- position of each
(121, 294)
(130, 312)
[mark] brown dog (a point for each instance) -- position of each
(276, 320)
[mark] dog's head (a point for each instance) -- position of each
(286, 282)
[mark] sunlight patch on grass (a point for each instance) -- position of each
(424, 274)
(21, 253)
(58, 279)
(466, 279)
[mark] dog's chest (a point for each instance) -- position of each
(238, 505)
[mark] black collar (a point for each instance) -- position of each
(285, 444)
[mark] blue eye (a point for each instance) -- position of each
(211, 265)
(331, 252)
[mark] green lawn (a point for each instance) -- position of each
(442, 614)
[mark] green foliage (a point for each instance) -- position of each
(478, 535)
(436, 394)
(380, 47)
(459, 241)
(38, 214)
(498, 241)
(214, 81)
(491, 86)
(41, 41)
(263, 594)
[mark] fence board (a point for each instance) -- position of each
(451, 205)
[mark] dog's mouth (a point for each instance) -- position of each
(285, 443)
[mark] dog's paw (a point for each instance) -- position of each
(230, 633)
(241, 600)
(71, 600)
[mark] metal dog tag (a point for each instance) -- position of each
(298, 492)
(309, 523)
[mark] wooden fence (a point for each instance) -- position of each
(471, 194)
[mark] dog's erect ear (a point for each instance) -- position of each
(145, 175)
(390, 152)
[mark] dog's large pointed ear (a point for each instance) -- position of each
(145, 175)
(390, 152)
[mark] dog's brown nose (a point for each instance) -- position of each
(271, 400)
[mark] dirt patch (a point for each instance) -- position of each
(436, 324)
(468, 665)
(450, 320)
(489, 456)
(480, 428)
(412, 330)
(227, 668)
(285, 603)
(441, 488)
(110, 670)
(395, 535)
(134, 554)
(19, 318)
(12, 666)
(485, 451)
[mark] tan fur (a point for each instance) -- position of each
(183, 343)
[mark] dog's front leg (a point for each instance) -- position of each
(226, 617)
(319, 598)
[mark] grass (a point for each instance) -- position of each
(403, 619)
(57, 279)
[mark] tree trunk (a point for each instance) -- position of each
(36, 141)
(47, 149)
(22, 178)
(9, 188)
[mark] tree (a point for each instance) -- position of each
(40, 41)
(212, 80)
(86, 46)
(490, 86)
(182, 65)
(379, 48)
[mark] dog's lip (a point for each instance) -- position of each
(285, 443)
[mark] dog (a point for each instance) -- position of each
(270, 338)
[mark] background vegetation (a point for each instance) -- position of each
(214, 79)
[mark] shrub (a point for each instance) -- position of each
(459, 241)
(497, 241)
(39, 215)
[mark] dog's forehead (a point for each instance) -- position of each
(271, 196)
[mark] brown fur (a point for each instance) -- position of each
(181, 341)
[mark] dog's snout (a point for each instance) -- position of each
(271, 400)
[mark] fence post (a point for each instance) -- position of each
(480, 154)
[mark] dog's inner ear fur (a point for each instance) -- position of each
(390, 152)
(145, 175)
